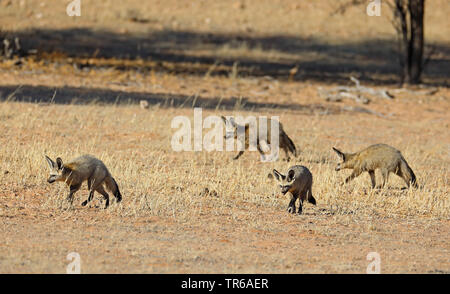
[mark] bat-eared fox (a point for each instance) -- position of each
(84, 168)
(298, 183)
(379, 156)
(285, 142)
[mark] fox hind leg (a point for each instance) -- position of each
(286, 152)
(372, 178)
(91, 196)
(93, 186)
(385, 174)
(102, 191)
(238, 155)
(300, 206)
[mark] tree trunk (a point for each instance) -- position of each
(410, 15)
(416, 42)
(403, 38)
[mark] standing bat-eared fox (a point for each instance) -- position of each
(379, 156)
(298, 183)
(285, 142)
(84, 168)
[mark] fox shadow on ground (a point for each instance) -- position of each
(374, 61)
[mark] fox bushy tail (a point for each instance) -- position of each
(291, 146)
(408, 174)
(112, 186)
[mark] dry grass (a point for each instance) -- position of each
(166, 223)
(135, 144)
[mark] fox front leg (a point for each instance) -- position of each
(73, 189)
(291, 207)
(352, 176)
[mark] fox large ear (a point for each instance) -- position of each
(224, 119)
(59, 162)
(291, 175)
(50, 162)
(230, 120)
(278, 175)
(341, 154)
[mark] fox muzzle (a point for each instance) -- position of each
(285, 188)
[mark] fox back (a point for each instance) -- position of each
(77, 170)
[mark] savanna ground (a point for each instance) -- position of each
(79, 93)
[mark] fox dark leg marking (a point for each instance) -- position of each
(300, 206)
(352, 176)
(372, 178)
(239, 155)
(258, 146)
(91, 196)
(291, 207)
(93, 186)
(73, 189)
(91, 183)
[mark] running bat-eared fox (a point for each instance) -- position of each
(84, 168)
(285, 142)
(379, 156)
(297, 183)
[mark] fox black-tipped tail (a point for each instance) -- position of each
(291, 146)
(413, 179)
(407, 174)
(311, 200)
(112, 186)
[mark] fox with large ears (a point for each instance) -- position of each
(84, 168)
(379, 156)
(297, 183)
(284, 141)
